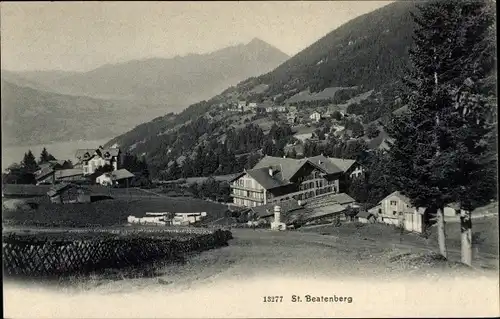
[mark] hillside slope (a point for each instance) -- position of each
(370, 51)
(31, 116)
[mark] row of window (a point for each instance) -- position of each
(249, 194)
(394, 203)
(246, 183)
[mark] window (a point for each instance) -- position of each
(394, 213)
(400, 213)
(393, 203)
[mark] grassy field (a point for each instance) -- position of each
(485, 238)
(106, 212)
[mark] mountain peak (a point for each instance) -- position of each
(256, 42)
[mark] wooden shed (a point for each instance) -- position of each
(69, 194)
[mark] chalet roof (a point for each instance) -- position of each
(57, 189)
(326, 211)
(262, 176)
(68, 172)
(44, 166)
(100, 151)
(343, 198)
(268, 209)
(399, 195)
(121, 174)
(401, 110)
(44, 172)
(342, 163)
(380, 142)
(287, 166)
(58, 162)
(325, 164)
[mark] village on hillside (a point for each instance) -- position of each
(368, 154)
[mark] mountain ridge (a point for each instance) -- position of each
(156, 86)
(369, 52)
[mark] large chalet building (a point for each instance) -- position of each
(91, 159)
(275, 179)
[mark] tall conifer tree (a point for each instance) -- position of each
(439, 143)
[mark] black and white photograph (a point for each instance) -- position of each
(249, 159)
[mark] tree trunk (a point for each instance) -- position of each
(466, 231)
(441, 232)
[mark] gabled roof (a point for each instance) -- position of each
(81, 152)
(44, 172)
(325, 164)
(121, 174)
(342, 163)
(62, 173)
(58, 162)
(399, 195)
(287, 206)
(56, 189)
(343, 198)
(100, 151)
(380, 142)
(262, 176)
(287, 166)
(326, 211)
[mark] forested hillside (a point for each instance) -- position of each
(368, 53)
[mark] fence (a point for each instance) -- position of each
(82, 252)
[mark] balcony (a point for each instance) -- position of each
(255, 190)
(247, 197)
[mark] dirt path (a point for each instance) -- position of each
(231, 282)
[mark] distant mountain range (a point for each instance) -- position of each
(44, 106)
(369, 52)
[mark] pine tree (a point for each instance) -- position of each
(29, 162)
(472, 160)
(435, 144)
(45, 156)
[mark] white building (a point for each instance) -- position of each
(91, 159)
(396, 209)
(316, 116)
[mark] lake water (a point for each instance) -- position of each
(60, 150)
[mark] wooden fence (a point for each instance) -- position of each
(43, 255)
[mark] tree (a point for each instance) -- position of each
(18, 174)
(29, 162)
(292, 153)
(337, 115)
(174, 171)
(372, 131)
(472, 160)
(45, 156)
(437, 144)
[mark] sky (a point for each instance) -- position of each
(81, 36)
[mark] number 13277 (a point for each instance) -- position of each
(272, 298)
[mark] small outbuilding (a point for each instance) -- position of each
(69, 194)
(121, 176)
(366, 217)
